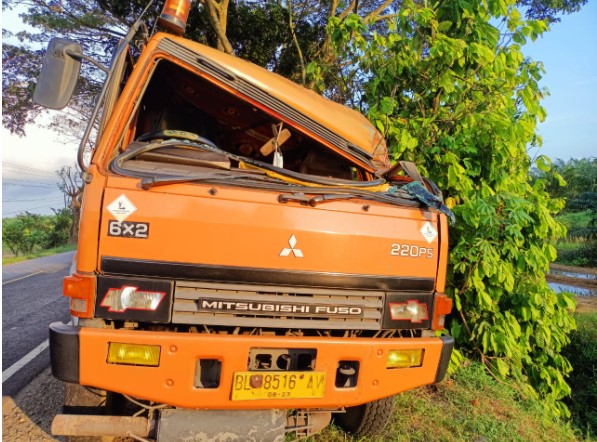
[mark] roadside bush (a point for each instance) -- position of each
(450, 96)
(24, 233)
(60, 225)
(583, 201)
(580, 246)
(582, 354)
(28, 231)
(11, 235)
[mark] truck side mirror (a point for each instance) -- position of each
(59, 73)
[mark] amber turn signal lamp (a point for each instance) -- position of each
(441, 308)
(174, 16)
(81, 290)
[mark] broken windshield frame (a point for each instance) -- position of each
(328, 189)
(136, 149)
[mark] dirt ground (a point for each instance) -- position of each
(28, 416)
(583, 303)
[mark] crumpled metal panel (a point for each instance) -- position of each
(221, 425)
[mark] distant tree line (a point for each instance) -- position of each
(575, 181)
(29, 231)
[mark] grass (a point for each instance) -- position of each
(8, 258)
(569, 252)
(577, 249)
(468, 406)
(582, 353)
(578, 253)
(575, 219)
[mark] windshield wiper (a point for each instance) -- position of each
(219, 176)
(153, 181)
(317, 199)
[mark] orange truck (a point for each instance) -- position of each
(249, 263)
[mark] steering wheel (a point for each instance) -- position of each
(179, 134)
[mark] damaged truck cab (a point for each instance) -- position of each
(248, 261)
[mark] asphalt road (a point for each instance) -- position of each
(31, 300)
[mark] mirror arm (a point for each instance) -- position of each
(87, 58)
(123, 44)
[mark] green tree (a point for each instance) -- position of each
(25, 232)
(550, 10)
(454, 93)
(570, 179)
(71, 185)
(282, 35)
(34, 231)
(60, 228)
(11, 235)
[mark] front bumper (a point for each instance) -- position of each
(79, 355)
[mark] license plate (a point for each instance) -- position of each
(251, 385)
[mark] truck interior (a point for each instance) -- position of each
(177, 99)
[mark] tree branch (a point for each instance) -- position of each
(348, 10)
(218, 14)
(296, 42)
(371, 17)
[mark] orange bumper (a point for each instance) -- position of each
(79, 355)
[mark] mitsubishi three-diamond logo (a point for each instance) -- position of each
(298, 253)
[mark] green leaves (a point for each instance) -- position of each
(480, 53)
(448, 95)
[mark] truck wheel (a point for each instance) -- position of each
(83, 400)
(368, 419)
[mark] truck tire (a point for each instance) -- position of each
(368, 419)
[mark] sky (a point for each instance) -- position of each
(568, 51)
(569, 54)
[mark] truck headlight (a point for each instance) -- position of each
(129, 297)
(413, 311)
(134, 299)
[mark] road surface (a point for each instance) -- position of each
(31, 300)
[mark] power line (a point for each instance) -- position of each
(38, 199)
(33, 169)
(25, 172)
(26, 185)
(17, 174)
(26, 210)
(15, 181)
(29, 181)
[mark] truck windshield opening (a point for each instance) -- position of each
(182, 105)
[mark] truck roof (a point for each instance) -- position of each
(345, 122)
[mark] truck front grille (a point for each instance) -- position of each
(276, 307)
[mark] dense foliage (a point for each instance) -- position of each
(454, 93)
(28, 231)
(283, 35)
(582, 353)
(575, 181)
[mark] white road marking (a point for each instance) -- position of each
(22, 277)
(10, 371)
